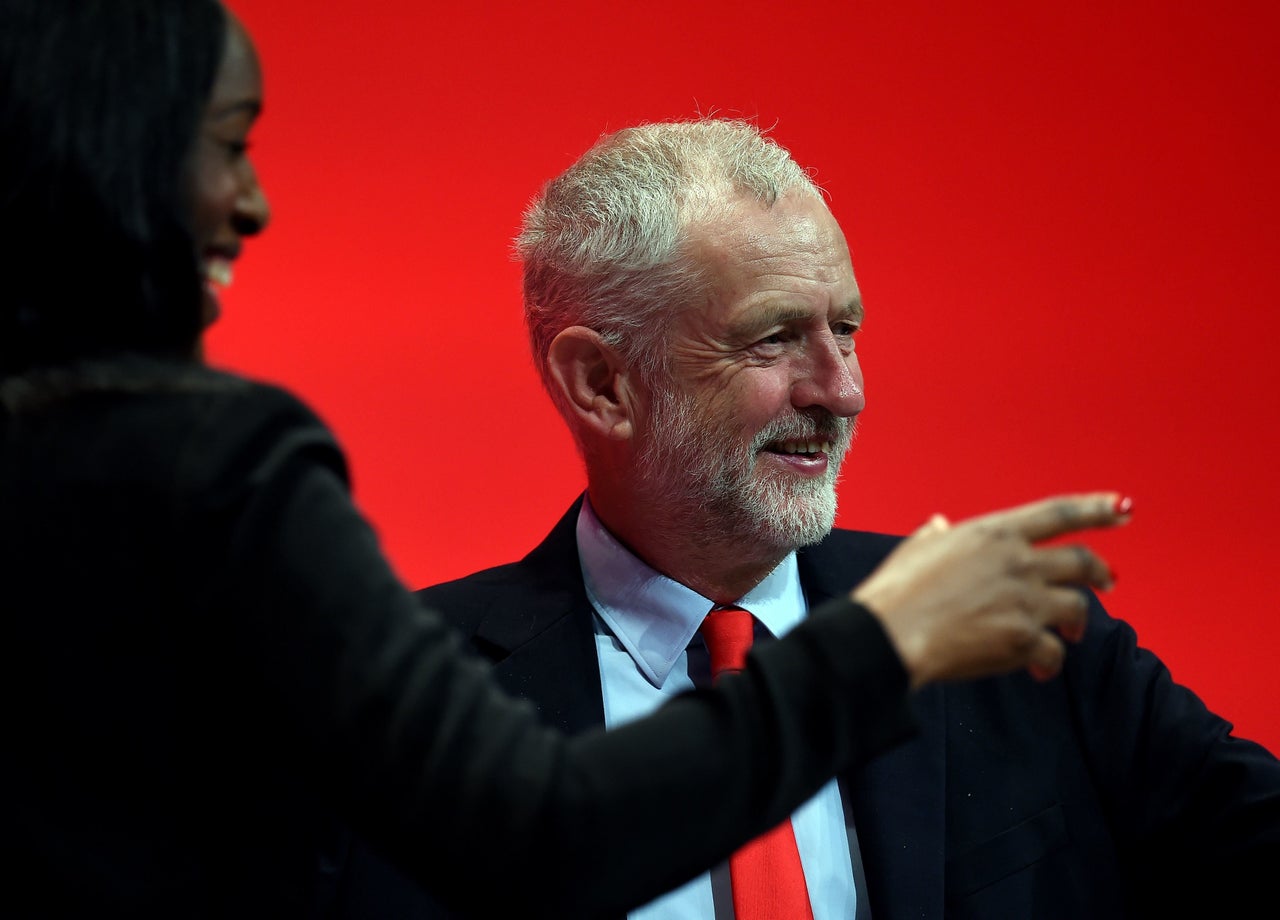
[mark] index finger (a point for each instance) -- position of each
(1052, 517)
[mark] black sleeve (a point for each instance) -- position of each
(451, 777)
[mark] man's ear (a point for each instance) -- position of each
(594, 382)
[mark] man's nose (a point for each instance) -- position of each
(830, 379)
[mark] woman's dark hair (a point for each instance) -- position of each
(100, 102)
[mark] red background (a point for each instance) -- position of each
(1063, 219)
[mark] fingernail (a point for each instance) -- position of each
(1040, 673)
(1124, 505)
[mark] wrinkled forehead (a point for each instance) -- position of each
(794, 245)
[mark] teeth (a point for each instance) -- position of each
(809, 447)
(218, 271)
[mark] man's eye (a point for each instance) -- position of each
(845, 329)
(781, 337)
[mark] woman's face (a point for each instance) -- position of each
(228, 202)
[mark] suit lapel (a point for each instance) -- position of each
(898, 800)
(547, 652)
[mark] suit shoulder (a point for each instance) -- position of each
(464, 601)
(859, 543)
(489, 579)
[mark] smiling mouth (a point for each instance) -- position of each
(802, 448)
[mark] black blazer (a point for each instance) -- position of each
(1108, 792)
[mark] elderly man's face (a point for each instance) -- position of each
(748, 435)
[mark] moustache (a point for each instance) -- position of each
(822, 426)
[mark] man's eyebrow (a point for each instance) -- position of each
(852, 311)
(786, 314)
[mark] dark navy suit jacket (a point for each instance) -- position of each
(1108, 792)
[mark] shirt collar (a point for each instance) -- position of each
(653, 617)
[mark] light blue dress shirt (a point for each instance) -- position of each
(649, 650)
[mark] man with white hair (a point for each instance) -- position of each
(693, 313)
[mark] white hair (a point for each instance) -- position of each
(605, 243)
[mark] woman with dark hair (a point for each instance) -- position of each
(99, 252)
(202, 638)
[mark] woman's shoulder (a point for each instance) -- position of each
(198, 422)
(47, 389)
(247, 429)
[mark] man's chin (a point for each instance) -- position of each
(788, 523)
(806, 533)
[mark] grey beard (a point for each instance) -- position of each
(721, 493)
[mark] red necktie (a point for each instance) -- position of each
(768, 880)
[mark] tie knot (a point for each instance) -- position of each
(728, 632)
